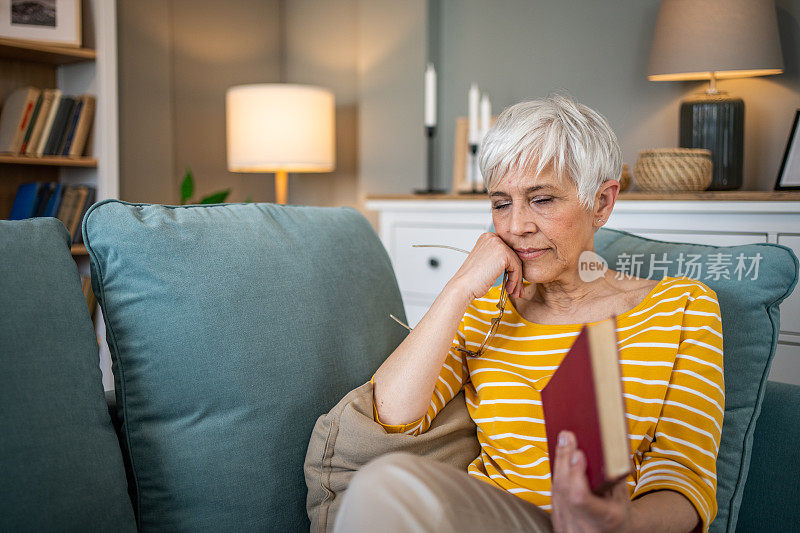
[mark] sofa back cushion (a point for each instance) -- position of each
(772, 492)
(750, 281)
(60, 464)
(232, 328)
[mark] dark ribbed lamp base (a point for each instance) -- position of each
(716, 122)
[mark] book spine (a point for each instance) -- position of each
(90, 196)
(48, 125)
(45, 192)
(25, 201)
(73, 124)
(76, 212)
(44, 112)
(67, 202)
(31, 124)
(21, 130)
(84, 126)
(59, 124)
(55, 201)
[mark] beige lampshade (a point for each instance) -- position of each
(275, 127)
(731, 38)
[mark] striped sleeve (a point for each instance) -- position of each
(451, 380)
(683, 454)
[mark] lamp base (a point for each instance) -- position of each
(281, 187)
(716, 122)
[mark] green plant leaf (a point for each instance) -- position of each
(249, 199)
(216, 198)
(187, 186)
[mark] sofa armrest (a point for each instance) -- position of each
(771, 499)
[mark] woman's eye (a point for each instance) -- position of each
(499, 206)
(541, 200)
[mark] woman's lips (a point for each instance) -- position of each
(530, 253)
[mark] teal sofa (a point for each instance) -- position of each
(233, 328)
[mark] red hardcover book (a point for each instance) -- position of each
(584, 396)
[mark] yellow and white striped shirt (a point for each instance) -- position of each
(670, 349)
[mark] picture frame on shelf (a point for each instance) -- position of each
(49, 22)
(789, 173)
(461, 156)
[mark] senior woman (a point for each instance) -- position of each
(551, 168)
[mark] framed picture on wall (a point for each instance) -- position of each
(789, 173)
(55, 22)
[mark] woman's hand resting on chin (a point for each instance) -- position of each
(486, 262)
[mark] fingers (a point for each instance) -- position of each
(572, 486)
(515, 275)
(570, 468)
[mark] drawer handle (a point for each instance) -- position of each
(433, 262)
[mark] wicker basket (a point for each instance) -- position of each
(673, 169)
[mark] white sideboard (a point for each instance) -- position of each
(423, 272)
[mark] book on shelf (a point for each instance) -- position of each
(65, 107)
(584, 396)
(46, 122)
(68, 203)
(38, 149)
(91, 300)
(26, 201)
(83, 126)
(15, 117)
(69, 127)
(31, 122)
(47, 99)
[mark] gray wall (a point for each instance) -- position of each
(392, 57)
(598, 53)
(178, 57)
(321, 47)
(176, 60)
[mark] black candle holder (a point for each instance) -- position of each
(473, 151)
(430, 133)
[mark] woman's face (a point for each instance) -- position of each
(542, 220)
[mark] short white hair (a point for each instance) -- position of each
(557, 130)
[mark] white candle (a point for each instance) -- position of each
(473, 113)
(486, 115)
(430, 96)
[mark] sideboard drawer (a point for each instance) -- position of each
(425, 271)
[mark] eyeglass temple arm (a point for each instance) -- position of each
(409, 328)
(440, 246)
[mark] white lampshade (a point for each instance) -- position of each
(275, 127)
(731, 39)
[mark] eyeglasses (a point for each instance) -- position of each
(495, 322)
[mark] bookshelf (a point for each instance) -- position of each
(44, 53)
(87, 162)
(90, 69)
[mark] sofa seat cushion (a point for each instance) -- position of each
(749, 299)
(60, 464)
(232, 328)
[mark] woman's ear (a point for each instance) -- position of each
(605, 199)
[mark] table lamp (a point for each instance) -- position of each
(280, 128)
(711, 40)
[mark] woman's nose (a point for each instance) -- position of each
(521, 221)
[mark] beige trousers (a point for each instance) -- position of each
(401, 492)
